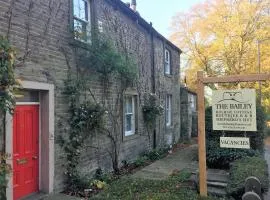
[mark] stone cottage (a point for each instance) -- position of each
(189, 115)
(49, 37)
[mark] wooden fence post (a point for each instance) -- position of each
(201, 135)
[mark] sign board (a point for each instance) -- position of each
(235, 142)
(234, 110)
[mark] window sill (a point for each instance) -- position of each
(130, 137)
(78, 43)
(168, 75)
(169, 126)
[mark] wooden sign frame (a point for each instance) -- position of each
(201, 81)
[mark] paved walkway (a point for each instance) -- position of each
(178, 160)
(182, 158)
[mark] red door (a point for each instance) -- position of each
(25, 150)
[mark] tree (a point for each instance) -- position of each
(220, 37)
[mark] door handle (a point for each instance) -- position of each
(34, 157)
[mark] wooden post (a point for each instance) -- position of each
(201, 135)
(201, 80)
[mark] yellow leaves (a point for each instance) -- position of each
(11, 56)
(220, 36)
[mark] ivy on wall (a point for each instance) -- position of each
(7, 102)
(151, 111)
(87, 115)
(7, 78)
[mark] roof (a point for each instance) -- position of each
(135, 16)
(188, 90)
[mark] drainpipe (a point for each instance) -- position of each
(153, 77)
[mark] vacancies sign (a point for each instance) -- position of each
(234, 110)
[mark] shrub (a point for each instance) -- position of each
(242, 169)
(221, 157)
(156, 154)
(140, 161)
(4, 171)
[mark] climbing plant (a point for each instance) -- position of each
(85, 119)
(4, 171)
(87, 115)
(7, 102)
(7, 78)
(151, 110)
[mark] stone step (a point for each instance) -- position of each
(216, 184)
(216, 191)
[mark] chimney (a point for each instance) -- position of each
(133, 5)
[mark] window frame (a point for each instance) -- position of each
(168, 110)
(86, 24)
(133, 113)
(167, 62)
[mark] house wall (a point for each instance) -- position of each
(189, 116)
(40, 32)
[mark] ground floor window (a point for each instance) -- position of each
(130, 114)
(168, 110)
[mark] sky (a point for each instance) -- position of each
(160, 12)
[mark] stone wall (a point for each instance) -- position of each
(189, 118)
(40, 32)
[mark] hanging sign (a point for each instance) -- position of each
(235, 142)
(234, 110)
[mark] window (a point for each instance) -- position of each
(168, 110)
(167, 62)
(129, 114)
(81, 17)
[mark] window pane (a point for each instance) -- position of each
(80, 9)
(27, 96)
(80, 31)
(129, 105)
(128, 123)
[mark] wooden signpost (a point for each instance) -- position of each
(201, 81)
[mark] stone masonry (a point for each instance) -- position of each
(41, 31)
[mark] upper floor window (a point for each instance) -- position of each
(168, 110)
(129, 114)
(167, 62)
(81, 17)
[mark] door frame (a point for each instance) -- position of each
(46, 137)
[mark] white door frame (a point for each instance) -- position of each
(46, 179)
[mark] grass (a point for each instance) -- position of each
(176, 187)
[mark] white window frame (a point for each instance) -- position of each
(87, 23)
(168, 110)
(167, 62)
(133, 115)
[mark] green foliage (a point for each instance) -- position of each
(103, 57)
(99, 58)
(5, 170)
(221, 157)
(140, 161)
(7, 78)
(242, 169)
(175, 187)
(85, 119)
(151, 110)
(155, 154)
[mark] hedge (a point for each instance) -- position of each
(221, 157)
(242, 169)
